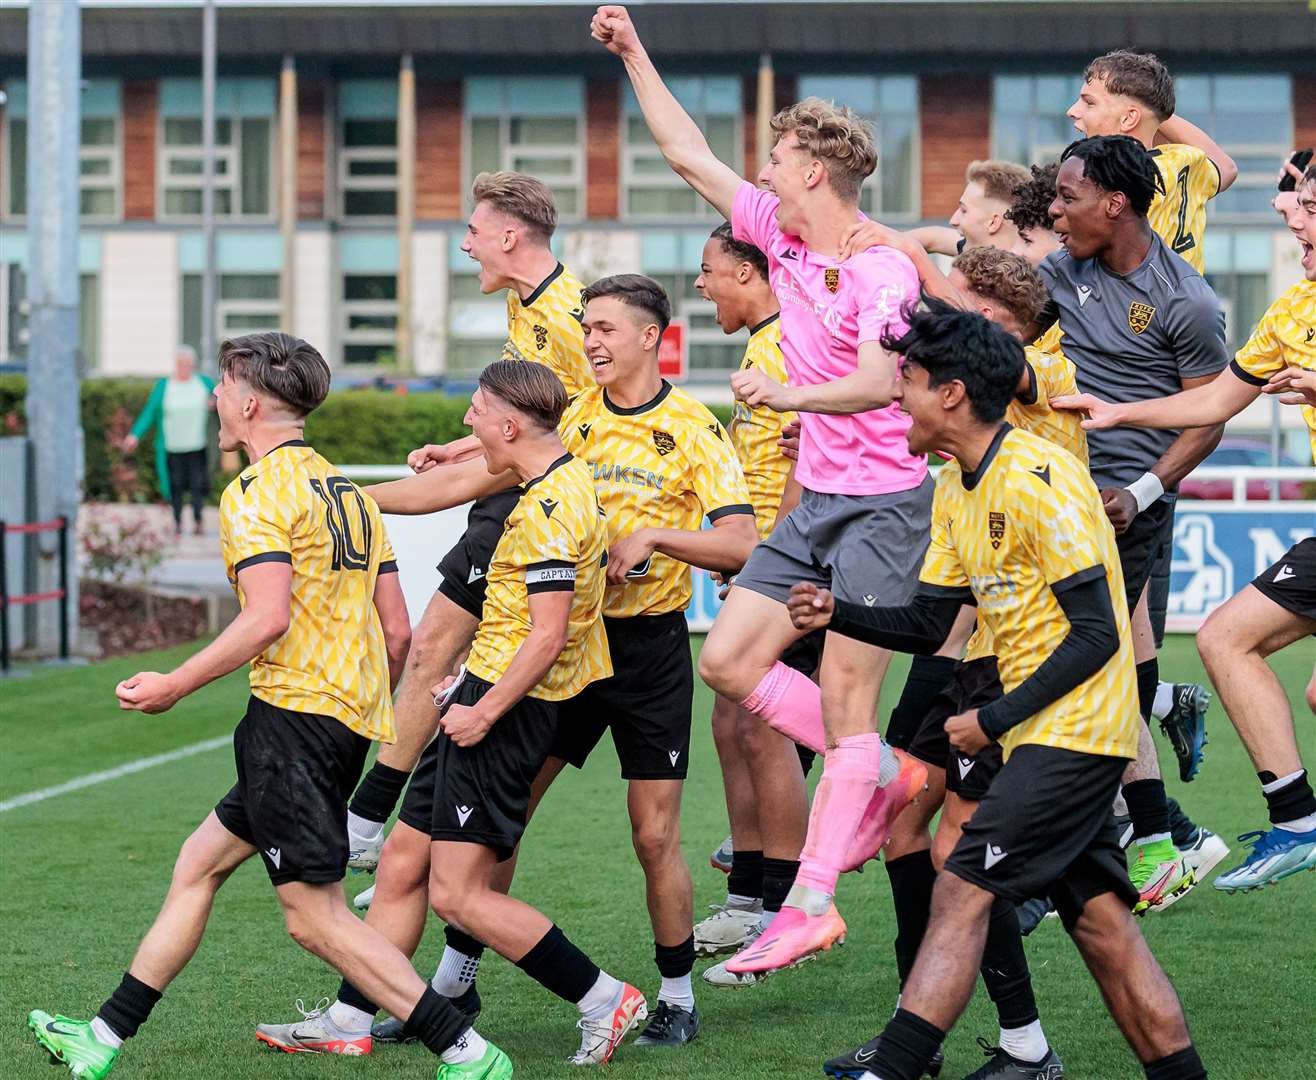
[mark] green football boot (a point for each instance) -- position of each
(72, 1042)
(495, 1065)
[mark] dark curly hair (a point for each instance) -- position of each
(740, 250)
(1030, 206)
(1119, 163)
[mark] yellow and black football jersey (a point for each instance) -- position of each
(555, 539)
(755, 431)
(1052, 376)
(1179, 216)
(545, 326)
(1049, 342)
(293, 506)
(666, 464)
(1285, 337)
(1030, 519)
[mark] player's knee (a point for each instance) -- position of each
(404, 863)
(716, 670)
(655, 839)
(448, 899)
(943, 843)
(1213, 639)
(304, 928)
(195, 867)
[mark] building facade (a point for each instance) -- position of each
(347, 138)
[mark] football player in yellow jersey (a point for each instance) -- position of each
(1132, 93)
(307, 553)
(767, 800)
(662, 463)
(1068, 721)
(509, 234)
(1279, 607)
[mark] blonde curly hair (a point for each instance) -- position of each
(1006, 279)
(836, 136)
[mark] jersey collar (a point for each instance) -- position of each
(555, 465)
(653, 403)
(539, 289)
(766, 322)
(969, 479)
(291, 442)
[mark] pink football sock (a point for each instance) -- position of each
(849, 779)
(791, 703)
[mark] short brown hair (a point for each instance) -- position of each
(1140, 76)
(998, 179)
(520, 196)
(1006, 279)
(836, 136)
(280, 366)
(636, 291)
(528, 387)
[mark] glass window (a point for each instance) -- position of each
(890, 103)
(244, 150)
(368, 148)
(99, 163)
(651, 189)
(1029, 124)
(244, 304)
(529, 125)
(368, 326)
(89, 320)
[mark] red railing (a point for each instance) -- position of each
(60, 525)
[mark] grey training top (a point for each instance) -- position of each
(1132, 337)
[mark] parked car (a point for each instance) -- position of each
(1233, 453)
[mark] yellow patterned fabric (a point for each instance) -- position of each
(546, 327)
(1049, 342)
(755, 431)
(1285, 337)
(1030, 520)
(555, 539)
(665, 464)
(1179, 216)
(1053, 375)
(293, 506)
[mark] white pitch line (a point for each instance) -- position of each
(126, 769)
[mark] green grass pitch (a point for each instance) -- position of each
(84, 873)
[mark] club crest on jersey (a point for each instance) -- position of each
(995, 527)
(1140, 316)
(663, 443)
(832, 278)
(541, 337)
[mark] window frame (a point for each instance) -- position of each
(346, 182)
(113, 180)
(231, 179)
(371, 337)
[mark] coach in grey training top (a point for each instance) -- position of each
(1132, 337)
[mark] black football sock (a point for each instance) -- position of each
(1005, 968)
(559, 967)
(746, 877)
(436, 1022)
(1149, 677)
(912, 877)
(907, 1044)
(778, 877)
(1288, 800)
(350, 995)
(1184, 1065)
(129, 1006)
(377, 795)
(1147, 809)
(1183, 830)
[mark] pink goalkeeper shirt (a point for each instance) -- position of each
(827, 309)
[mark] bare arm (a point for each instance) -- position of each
(466, 725)
(440, 488)
(391, 606)
(790, 494)
(431, 454)
(1204, 404)
(678, 137)
(267, 588)
(937, 239)
(870, 386)
(723, 548)
(1192, 446)
(1177, 129)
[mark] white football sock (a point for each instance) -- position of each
(810, 901)
(1163, 703)
(470, 1046)
(1154, 838)
(349, 1019)
(1302, 824)
(363, 828)
(890, 767)
(678, 991)
(603, 996)
(1280, 781)
(105, 1034)
(735, 900)
(455, 973)
(1027, 1043)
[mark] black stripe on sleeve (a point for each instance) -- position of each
(1246, 376)
(1082, 577)
(555, 575)
(388, 566)
(726, 511)
(268, 556)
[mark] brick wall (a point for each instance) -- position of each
(439, 188)
(602, 148)
(1304, 111)
(310, 148)
(955, 128)
(140, 108)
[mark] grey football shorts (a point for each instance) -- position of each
(867, 549)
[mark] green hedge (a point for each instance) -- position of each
(356, 427)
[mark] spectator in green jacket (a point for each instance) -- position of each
(179, 408)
